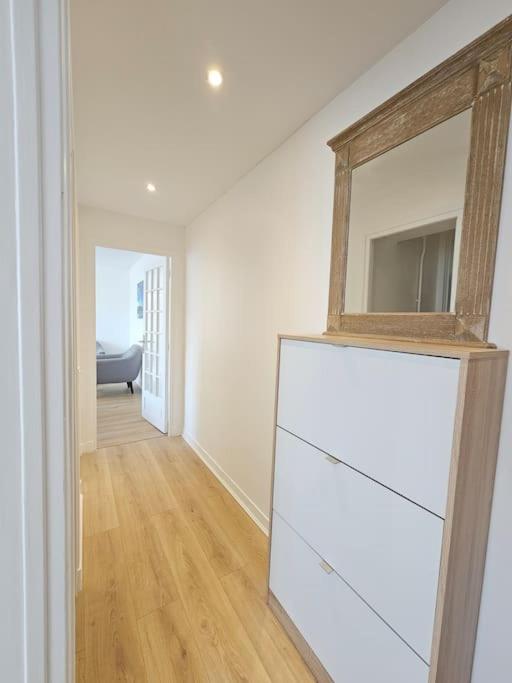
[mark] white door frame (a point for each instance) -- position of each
(173, 358)
(37, 573)
(175, 335)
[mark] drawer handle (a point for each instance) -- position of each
(326, 567)
(332, 460)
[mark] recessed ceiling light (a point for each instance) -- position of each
(150, 187)
(214, 78)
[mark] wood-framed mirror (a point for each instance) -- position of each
(418, 185)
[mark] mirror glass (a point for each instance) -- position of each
(405, 222)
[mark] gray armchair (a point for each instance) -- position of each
(112, 368)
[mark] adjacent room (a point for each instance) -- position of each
(131, 346)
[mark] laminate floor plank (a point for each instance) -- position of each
(170, 651)
(225, 647)
(195, 470)
(99, 505)
(80, 667)
(250, 542)
(192, 493)
(119, 418)
(112, 651)
(152, 585)
(148, 484)
(279, 656)
(174, 576)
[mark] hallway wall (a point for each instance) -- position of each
(258, 264)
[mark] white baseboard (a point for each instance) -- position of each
(175, 430)
(232, 487)
(87, 447)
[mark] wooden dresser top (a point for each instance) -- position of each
(402, 346)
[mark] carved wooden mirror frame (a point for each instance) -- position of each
(478, 78)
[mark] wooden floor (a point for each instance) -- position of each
(119, 416)
(174, 575)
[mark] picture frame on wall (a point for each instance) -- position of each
(140, 299)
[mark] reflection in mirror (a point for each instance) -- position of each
(405, 222)
(411, 270)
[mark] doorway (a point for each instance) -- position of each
(132, 349)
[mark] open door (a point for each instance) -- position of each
(154, 359)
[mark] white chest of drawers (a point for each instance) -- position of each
(383, 472)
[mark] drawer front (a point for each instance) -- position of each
(386, 548)
(389, 415)
(350, 640)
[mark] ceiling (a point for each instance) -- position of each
(144, 112)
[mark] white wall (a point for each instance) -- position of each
(118, 273)
(117, 231)
(258, 263)
(113, 307)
